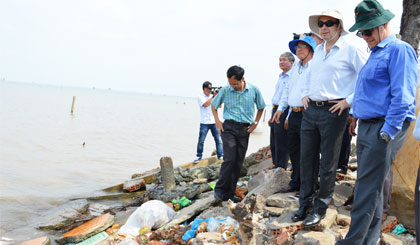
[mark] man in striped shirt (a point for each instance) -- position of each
(240, 99)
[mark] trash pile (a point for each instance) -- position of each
(189, 213)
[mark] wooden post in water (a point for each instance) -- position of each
(167, 173)
(72, 105)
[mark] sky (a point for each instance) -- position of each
(160, 46)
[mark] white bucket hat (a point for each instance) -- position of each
(313, 20)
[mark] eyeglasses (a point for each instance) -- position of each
(367, 33)
(300, 46)
(328, 23)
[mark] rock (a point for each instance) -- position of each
(387, 239)
(341, 231)
(260, 203)
(282, 200)
(342, 191)
(267, 183)
(118, 200)
(134, 184)
(38, 241)
(389, 224)
(167, 172)
(208, 238)
(323, 237)
(87, 229)
(254, 158)
(190, 211)
(189, 191)
(352, 166)
(254, 169)
(285, 223)
(200, 181)
(218, 212)
(343, 220)
(64, 215)
(326, 222)
(274, 211)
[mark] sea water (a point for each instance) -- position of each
(48, 155)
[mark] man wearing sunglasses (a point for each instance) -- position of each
(384, 104)
(326, 97)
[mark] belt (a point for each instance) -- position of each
(322, 103)
(373, 120)
(297, 109)
(275, 106)
(238, 123)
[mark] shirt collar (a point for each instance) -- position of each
(247, 85)
(338, 43)
(284, 74)
(384, 42)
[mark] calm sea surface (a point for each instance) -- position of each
(42, 158)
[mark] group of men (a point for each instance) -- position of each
(332, 87)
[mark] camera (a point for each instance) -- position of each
(215, 89)
(298, 36)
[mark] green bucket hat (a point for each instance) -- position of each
(370, 14)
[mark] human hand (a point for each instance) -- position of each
(305, 102)
(286, 124)
(340, 106)
(219, 126)
(352, 125)
(252, 127)
(276, 117)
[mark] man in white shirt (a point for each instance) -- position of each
(207, 122)
(278, 134)
(326, 99)
(303, 48)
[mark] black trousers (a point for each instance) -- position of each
(235, 143)
(343, 160)
(293, 134)
(278, 141)
(321, 131)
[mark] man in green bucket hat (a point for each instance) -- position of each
(384, 103)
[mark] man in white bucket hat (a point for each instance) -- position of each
(326, 97)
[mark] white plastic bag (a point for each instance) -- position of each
(153, 213)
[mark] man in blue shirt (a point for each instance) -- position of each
(384, 104)
(278, 133)
(239, 99)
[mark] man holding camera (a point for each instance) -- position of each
(239, 99)
(207, 121)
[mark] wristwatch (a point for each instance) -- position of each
(385, 136)
(255, 122)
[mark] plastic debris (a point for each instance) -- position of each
(399, 229)
(181, 203)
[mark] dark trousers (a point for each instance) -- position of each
(387, 192)
(235, 143)
(321, 131)
(278, 141)
(417, 206)
(375, 157)
(293, 134)
(343, 160)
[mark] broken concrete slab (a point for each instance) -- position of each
(283, 200)
(189, 191)
(218, 212)
(38, 241)
(388, 239)
(87, 229)
(327, 222)
(324, 238)
(208, 238)
(285, 223)
(63, 215)
(134, 184)
(190, 211)
(275, 211)
(255, 169)
(267, 183)
(342, 191)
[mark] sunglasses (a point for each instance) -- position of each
(328, 23)
(300, 46)
(367, 33)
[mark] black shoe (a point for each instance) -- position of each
(300, 214)
(286, 189)
(313, 219)
(235, 199)
(218, 199)
(342, 170)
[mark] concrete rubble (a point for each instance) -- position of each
(263, 216)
